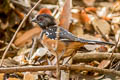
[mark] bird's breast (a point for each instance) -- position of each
(59, 47)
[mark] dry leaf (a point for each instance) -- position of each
(10, 62)
(89, 2)
(84, 17)
(39, 53)
(52, 79)
(101, 12)
(103, 64)
(66, 14)
(106, 18)
(27, 36)
(76, 29)
(102, 49)
(21, 15)
(65, 75)
(76, 15)
(101, 25)
(28, 76)
(116, 6)
(3, 25)
(13, 79)
(116, 20)
(2, 76)
(88, 9)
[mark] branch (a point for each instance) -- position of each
(62, 67)
(90, 56)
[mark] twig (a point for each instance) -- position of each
(116, 44)
(55, 11)
(82, 57)
(117, 66)
(58, 67)
(62, 67)
(112, 65)
(57, 55)
(4, 54)
(33, 46)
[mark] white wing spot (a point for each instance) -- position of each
(47, 33)
(50, 33)
(53, 39)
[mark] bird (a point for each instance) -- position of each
(67, 43)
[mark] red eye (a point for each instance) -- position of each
(40, 18)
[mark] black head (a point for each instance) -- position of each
(44, 20)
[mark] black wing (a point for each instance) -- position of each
(67, 36)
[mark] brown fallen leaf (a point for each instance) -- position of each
(102, 49)
(116, 20)
(10, 62)
(84, 17)
(88, 9)
(116, 6)
(66, 14)
(102, 25)
(4, 25)
(101, 12)
(76, 14)
(13, 79)
(76, 29)
(20, 14)
(103, 64)
(40, 52)
(28, 76)
(2, 76)
(89, 2)
(106, 18)
(20, 41)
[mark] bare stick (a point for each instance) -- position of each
(116, 44)
(62, 67)
(57, 56)
(4, 54)
(33, 46)
(90, 56)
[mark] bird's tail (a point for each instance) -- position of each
(94, 42)
(99, 42)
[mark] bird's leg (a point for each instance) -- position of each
(35, 41)
(41, 35)
(39, 39)
(33, 46)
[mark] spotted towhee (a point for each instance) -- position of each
(67, 42)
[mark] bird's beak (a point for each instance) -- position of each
(33, 20)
